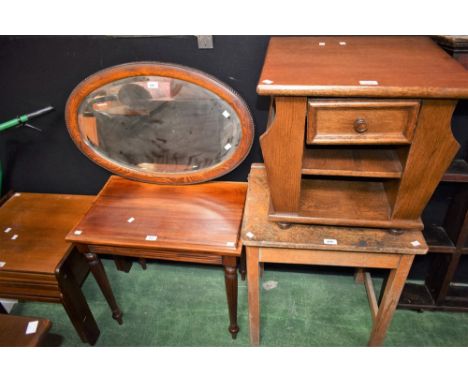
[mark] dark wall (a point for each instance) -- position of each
(38, 71)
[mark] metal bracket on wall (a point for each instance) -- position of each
(205, 41)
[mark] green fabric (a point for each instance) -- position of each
(178, 304)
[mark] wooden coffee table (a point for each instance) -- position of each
(190, 223)
(266, 242)
(37, 264)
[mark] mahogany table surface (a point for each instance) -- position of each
(335, 66)
(13, 330)
(197, 218)
(258, 231)
(33, 228)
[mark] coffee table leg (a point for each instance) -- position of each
(253, 276)
(391, 295)
(99, 274)
(76, 306)
(230, 279)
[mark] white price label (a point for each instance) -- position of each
(368, 83)
(32, 327)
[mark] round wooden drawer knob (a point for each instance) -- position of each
(360, 125)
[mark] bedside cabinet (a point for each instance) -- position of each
(359, 128)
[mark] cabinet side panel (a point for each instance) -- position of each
(430, 155)
(282, 148)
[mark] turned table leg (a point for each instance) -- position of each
(76, 306)
(99, 274)
(230, 279)
(389, 301)
(253, 275)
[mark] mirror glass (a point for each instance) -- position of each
(159, 125)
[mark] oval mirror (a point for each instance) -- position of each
(160, 123)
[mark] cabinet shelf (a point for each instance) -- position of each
(417, 296)
(438, 240)
(457, 172)
(356, 162)
(331, 201)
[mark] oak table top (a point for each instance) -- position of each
(198, 218)
(354, 66)
(258, 231)
(33, 228)
(13, 330)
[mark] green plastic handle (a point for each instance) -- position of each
(6, 125)
(13, 122)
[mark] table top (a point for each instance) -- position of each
(200, 218)
(343, 66)
(454, 42)
(33, 229)
(258, 231)
(13, 330)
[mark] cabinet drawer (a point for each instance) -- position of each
(335, 121)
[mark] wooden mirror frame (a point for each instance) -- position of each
(179, 72)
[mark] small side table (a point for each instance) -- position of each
(197, 223)
(14, 330)
(324, 245)
(37, 264)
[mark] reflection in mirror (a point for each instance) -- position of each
(159, 125)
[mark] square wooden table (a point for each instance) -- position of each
(266, 242)
(191, 223)
(37, 264)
